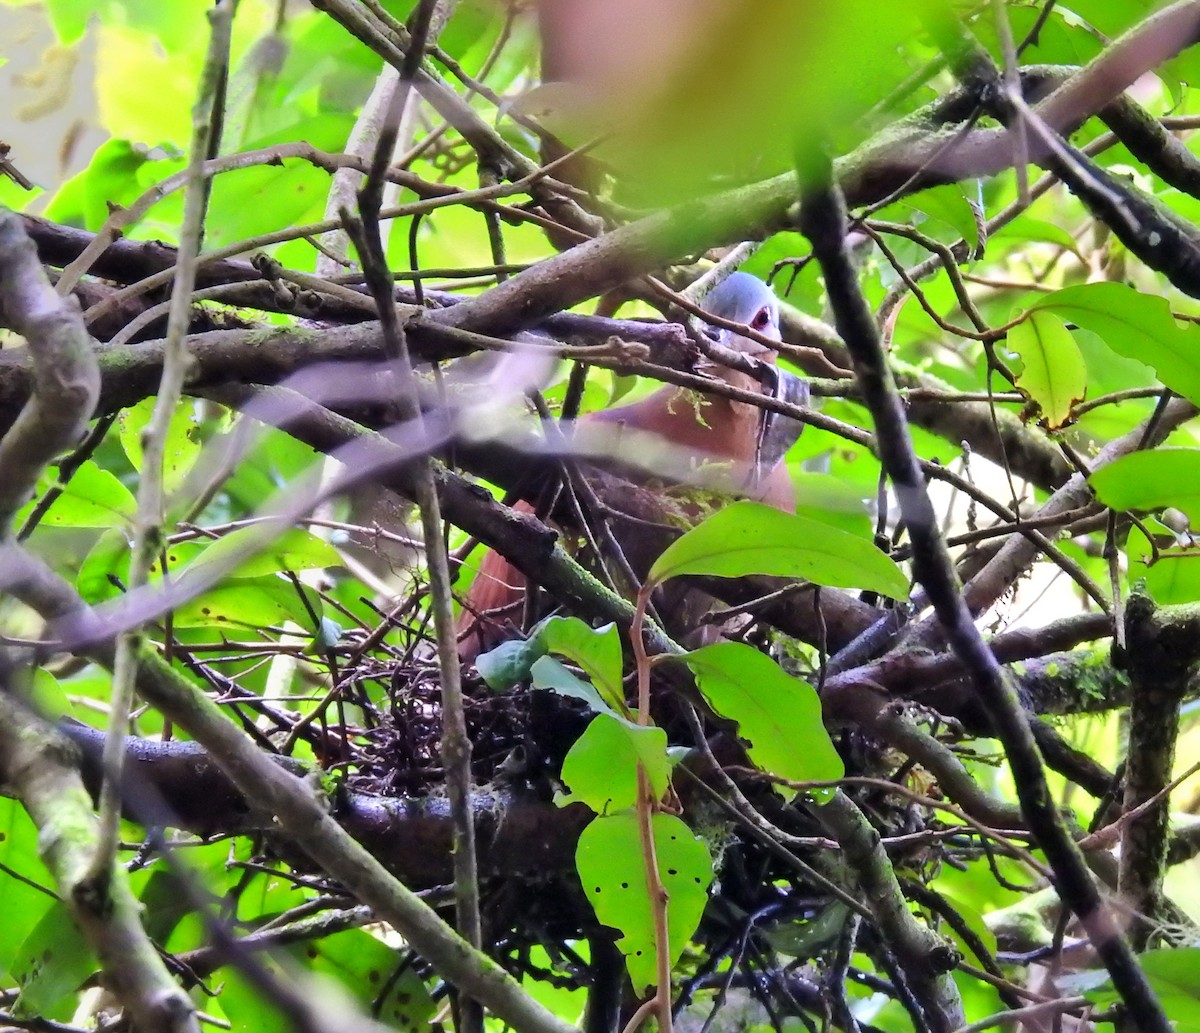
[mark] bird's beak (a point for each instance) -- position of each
(738, 343)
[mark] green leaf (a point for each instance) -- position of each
(250, 603)
(1151, 480)
(1037, 230)
(830, 500)
(294, 549)
(1054, 376)
(1138, 326)
(50, 966)
(805, 937)
(1173, 974)
(364, 965)
(750, 538)
(973, 920)
(126, 56)
(27, 898)
(509, 663)
(46, 695)
(107, 565)
(551, 675)
(1171, 579)
(596, 650)
(949, 206)
(70, 18)
(181, 448)
(247, 1008)
(92, 498)
(111, 177)
(601, 767)
(778, 715)
(609, 861)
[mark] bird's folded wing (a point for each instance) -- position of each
(778, 433)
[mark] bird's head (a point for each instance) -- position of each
(744, 298)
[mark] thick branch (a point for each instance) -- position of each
(37, 763)
(300, 811)
(65, 380)
(823, 221)
(1160, 651)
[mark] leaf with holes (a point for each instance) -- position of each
(609, 859)
(50, 966)
(251, 603)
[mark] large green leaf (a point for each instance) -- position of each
(944, 208)
(601, 767)
(292, 549)
(365, 966)
(1151, 480)
(831, 500)
(609, 859)
(1173, 974)
(182, 445)
(110, 178)
(247, 603)
(778, 715)
(1136, 325)
(1054, 375)
(26, 886)
(247, 1008)
(93, 497)
(596, 650)
(750, 538)
(50, 965)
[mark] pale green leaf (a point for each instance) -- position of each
(181, 447)
(248, 554)
(1054, 374)
(1135, 325)
(1151, 480)
(93, 497)
(750, 538)
(242, 603)
(609, 859)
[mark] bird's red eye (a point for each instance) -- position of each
(761, 319)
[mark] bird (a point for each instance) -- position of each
(746, 441)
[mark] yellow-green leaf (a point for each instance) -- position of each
(1054, 374)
